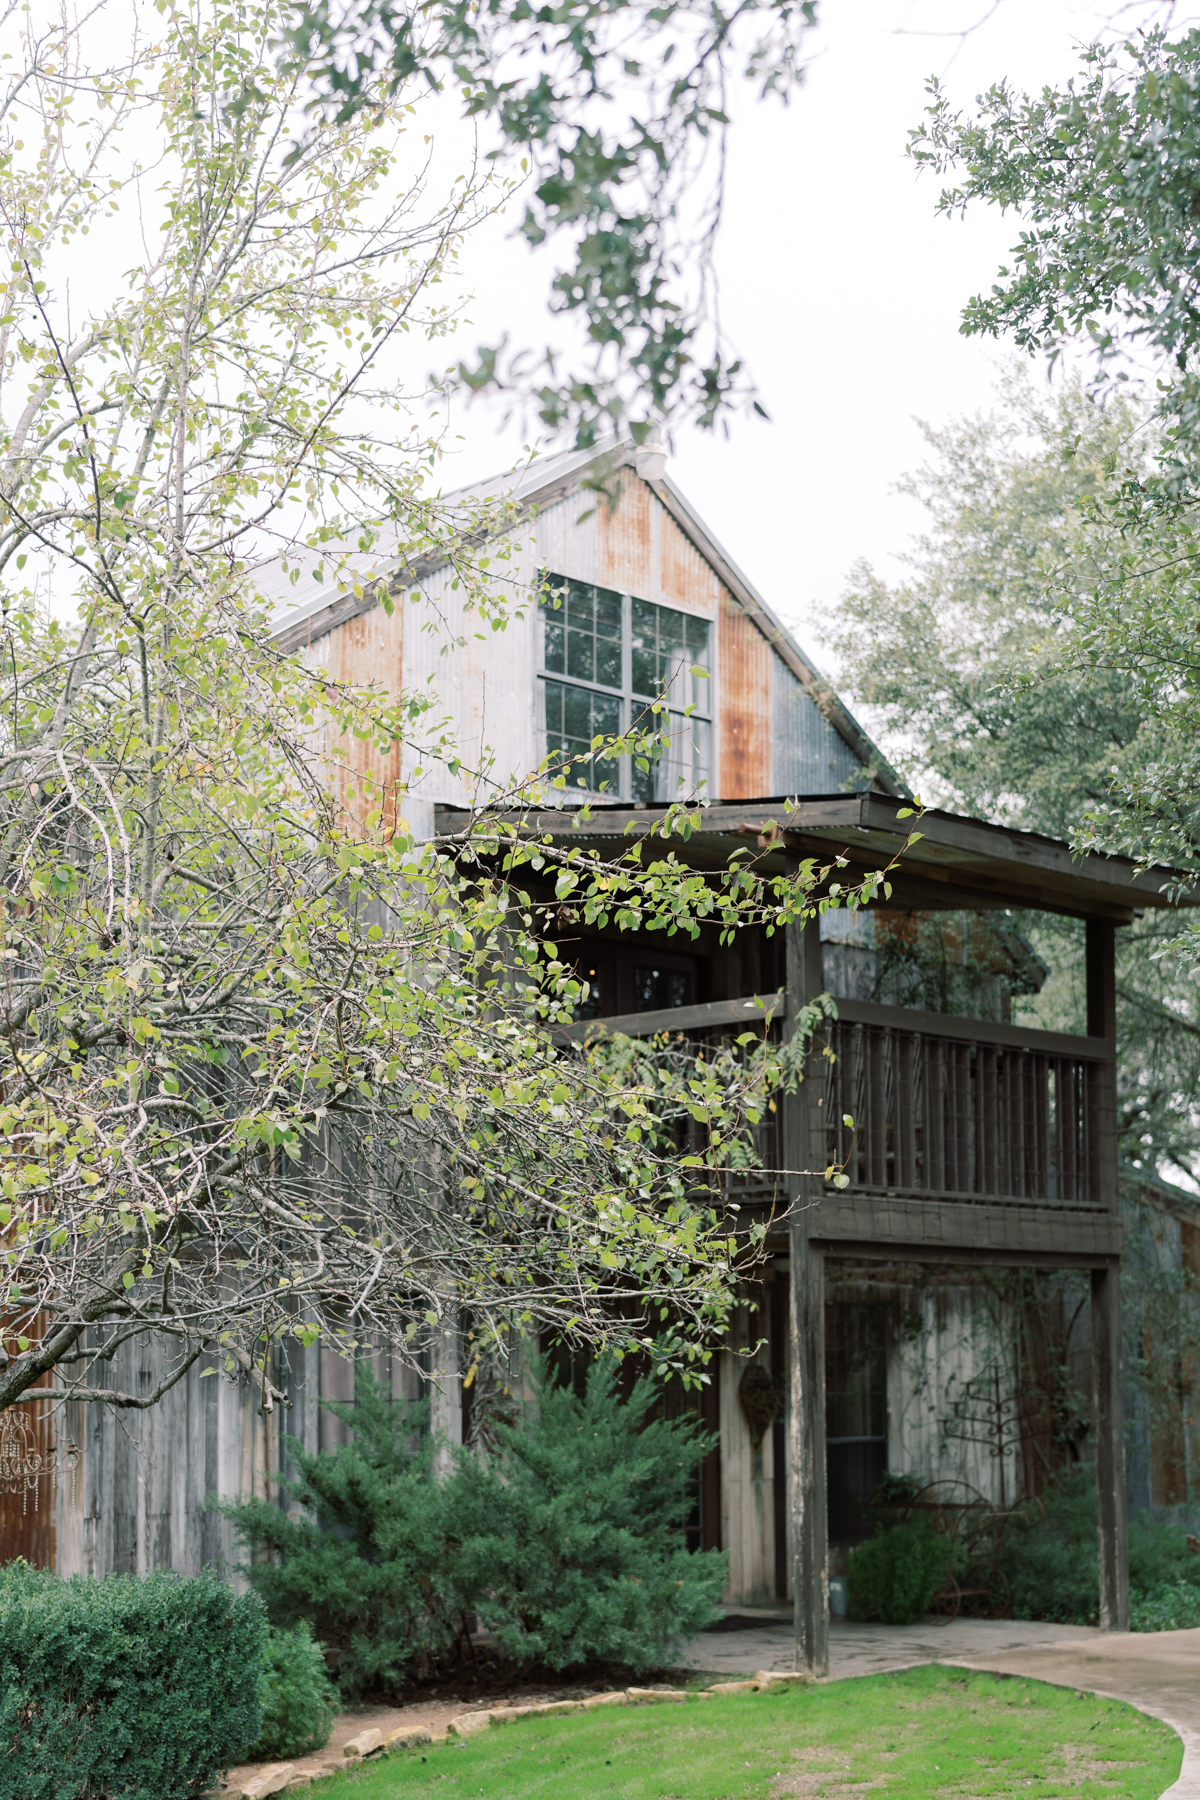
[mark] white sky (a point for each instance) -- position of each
(840, 288)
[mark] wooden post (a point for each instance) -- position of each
(804, 1148)
(1110, 1449)
(1108, 1402)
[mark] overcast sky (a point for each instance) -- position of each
(841, 289)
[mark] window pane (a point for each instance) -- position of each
(656, 989)
(665, 645)
(582, 630)
(680, 770)
(608, 662)
(581, 605)
(581, 656)
(608, 615)
(577, 714)
(574, 716)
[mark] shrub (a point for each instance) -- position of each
(567, 1541)
(1052, 1565)
(142, 1687)
(298, 1696)
(570, 1536)
(895, 1575)
(1173, 1607)
(368, 1568)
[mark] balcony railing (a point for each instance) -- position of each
(959, 1109)
(943, 1108)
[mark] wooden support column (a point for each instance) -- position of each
(1108, 1402)
(804, 1149)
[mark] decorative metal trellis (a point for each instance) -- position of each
(23, 1464)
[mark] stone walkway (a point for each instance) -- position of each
(1158, 1672)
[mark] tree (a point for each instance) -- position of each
(618, 111)
(1104, 172)
(972, 669)
(271, 1069)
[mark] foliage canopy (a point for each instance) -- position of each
(1104, 174)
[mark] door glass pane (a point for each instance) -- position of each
(855, 1415)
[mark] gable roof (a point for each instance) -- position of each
(528, 490)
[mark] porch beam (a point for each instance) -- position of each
(803, 1155)
(908, 1225)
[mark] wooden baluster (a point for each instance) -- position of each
(907, 1053)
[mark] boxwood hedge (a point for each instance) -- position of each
(131, 1688)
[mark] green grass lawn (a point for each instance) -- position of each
(923, 1733)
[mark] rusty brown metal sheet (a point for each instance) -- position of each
(365, 651)
(743, 704)
(641, 550)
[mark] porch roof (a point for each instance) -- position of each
(957, 862)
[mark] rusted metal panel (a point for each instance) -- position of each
(743, 705)
(687, 579)
(629, 538)
(366, 651)
(808, 756)
(27, 1516)
(639, 549)
(483, 681)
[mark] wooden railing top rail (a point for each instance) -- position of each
(710, 1015)
(975, 1031)
(752, 1009)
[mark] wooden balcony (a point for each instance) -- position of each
(969, 1139)
(961, 1109)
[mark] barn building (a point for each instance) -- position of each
(902, 1323)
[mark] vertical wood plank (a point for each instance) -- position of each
(804, 1133)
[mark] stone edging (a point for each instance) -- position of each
(286, 1778)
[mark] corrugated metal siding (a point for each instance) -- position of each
(687, 580)
(566, 536)
(743, 705)
(364, 652)
(639, 549)
(808, 755)
(629, 540)
(486, 683)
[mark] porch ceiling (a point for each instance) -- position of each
(957, 862)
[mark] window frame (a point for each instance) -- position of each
(624, 695)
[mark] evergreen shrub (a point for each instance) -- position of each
(566, 1541)
(141, 1687)
(570, 1537)
(895, 1575)
(366, 1564)
(298, 1697)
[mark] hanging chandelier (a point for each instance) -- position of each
(23, 1464)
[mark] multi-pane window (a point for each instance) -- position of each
(607, 659)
